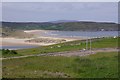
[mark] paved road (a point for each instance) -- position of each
(70, 53)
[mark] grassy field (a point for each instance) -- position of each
(67, 46)
(70, 46)
(100, 65)
(9, 55)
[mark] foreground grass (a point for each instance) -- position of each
(73, 45)
(100, 65)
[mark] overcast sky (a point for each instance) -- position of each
(51, 11)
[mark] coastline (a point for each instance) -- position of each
(22, 42)
(12, 41)
(19, 42)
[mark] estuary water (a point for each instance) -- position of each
(82, 34)
(16, 47)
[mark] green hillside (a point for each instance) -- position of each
(9, 32)
(66, 26)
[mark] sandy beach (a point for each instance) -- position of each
(22, 42)
(10, 41)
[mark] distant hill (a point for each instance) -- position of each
(9, 32)
(62, 25)
(63, 21)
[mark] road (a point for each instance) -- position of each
(69, 53)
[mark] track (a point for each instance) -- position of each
(69, 53)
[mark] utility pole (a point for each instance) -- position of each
(87, 44)
(89, 40)
(90, 45)
(86, 41)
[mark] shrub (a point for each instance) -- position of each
(12, 52)
(7, 51)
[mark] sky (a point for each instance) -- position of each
(51, 11)
(60, 0)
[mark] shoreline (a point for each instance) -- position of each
(22, 42)
(12, 41)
